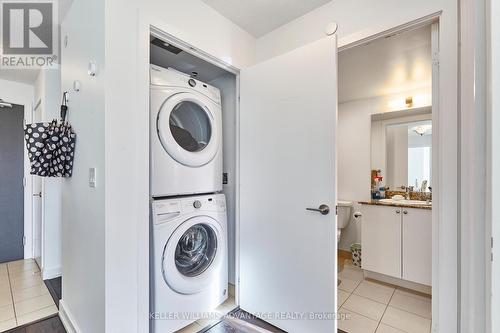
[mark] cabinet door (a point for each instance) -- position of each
(381, 240)
(417, 245)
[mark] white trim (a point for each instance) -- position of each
(67, 318)
(398, 282)
(436, 151)
(474, 249)
(51, 273)
(237, 197)
(28, 191)
(348, 42)
(149, 25)
(493, 163)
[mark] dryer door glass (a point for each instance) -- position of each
(190, 126)
(196, 250)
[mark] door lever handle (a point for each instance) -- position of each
(323, 209)
(37, 194)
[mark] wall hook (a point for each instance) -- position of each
(64, 106)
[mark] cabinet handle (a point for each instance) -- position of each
(405, 212)
(398, 211)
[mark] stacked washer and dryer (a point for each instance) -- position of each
(189, 259)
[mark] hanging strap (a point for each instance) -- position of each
(64, 106)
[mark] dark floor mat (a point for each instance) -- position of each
(49, 325)
(55, 289)
(240, 321)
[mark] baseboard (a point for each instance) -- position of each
(67, 318)
(51, 273)
(231, 288)
(399, 282)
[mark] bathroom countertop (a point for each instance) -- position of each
(378, 203)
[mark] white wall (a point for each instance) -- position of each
(127, 156)
(16, 92)
(396, 156)
(83, 207)
(47, 92)
(356, 20)
(227, 85)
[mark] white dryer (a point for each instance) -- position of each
(189, 266)
(186, 135)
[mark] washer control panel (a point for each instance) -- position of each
(166, 210)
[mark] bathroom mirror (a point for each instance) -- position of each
(401, 149)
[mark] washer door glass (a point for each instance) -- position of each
(196, 250)
(190, 126)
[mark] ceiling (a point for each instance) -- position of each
(386, 66)
(258, 17)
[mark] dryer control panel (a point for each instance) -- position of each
(160, 76)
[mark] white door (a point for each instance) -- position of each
(37, 204)
(417, 245)
(381, 240)
(287, 160)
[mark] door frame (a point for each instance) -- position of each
(28, 184)
(153, 25)
(445, 274)
(37, 107)
(445, 208)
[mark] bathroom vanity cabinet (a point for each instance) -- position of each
(397, 242)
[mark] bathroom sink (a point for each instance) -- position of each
(404, 202)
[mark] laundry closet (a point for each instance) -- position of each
(193, 144)
(274, 193)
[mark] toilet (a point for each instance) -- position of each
(345, 209)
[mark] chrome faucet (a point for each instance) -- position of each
(407, 190)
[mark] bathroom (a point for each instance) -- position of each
(385, 163)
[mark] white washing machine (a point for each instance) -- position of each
(189, 266)
(186, 135)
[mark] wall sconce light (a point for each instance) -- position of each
(409, 101)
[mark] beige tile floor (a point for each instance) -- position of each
(222, 310)
(24, 298)
(367, 306)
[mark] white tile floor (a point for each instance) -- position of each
(369, 307)
(221, 311)
(24, 298)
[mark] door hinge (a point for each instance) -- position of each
(336, 210)
(435, 58)
(24, 181)
(491, 249)
(24, 240)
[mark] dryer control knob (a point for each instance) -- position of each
(197, 204)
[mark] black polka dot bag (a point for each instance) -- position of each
(51, 147)
(37, 137)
